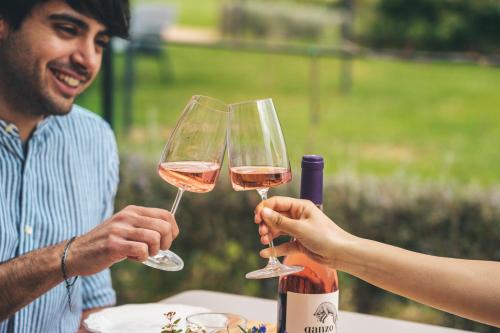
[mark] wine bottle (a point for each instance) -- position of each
(308, 300)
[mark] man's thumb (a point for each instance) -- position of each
(277, 221)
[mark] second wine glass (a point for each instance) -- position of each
(192, 159)
(258, 161)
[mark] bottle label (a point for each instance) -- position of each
(312, 313)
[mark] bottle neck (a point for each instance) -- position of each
(311, 182)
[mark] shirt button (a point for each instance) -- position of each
(28, 230)
(10, 128)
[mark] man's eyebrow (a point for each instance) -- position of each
(80, 23)
(69, 18)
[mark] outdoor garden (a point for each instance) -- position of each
(410, 142)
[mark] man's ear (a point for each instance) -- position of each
(3, 27)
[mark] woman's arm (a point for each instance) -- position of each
(468, 288)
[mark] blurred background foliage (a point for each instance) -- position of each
(410, 147)
(449, 25)
(219, 242)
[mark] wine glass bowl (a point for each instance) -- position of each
(192, 158)
(258, 161)
(192, 176)
(257, 177)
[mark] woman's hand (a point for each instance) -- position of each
(315, 234)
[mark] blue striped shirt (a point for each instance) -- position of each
(61, 184)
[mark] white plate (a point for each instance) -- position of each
(140, 318)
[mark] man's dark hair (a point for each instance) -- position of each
(114, 14)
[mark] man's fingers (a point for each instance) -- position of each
(136, 251)
(166, 229)
(281, 250)
(166, 242)
(156, 213)
(156, 233)
(149, 237)
(150, 211)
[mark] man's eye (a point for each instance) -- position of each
(67, 29)
(102, 43)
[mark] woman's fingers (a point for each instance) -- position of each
(281, 250)
(290, 207)
(279, 222)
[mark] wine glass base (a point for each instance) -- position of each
(166, 261)
(273, 270)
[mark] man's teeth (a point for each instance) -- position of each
(72, 82)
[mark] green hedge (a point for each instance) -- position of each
(219, 242)
(447, 25)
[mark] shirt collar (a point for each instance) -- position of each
(10, 129)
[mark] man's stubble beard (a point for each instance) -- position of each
(22, 81)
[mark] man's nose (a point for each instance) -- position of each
(87, 56)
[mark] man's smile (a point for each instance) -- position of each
(68, 82)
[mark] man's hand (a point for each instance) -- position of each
(85, 315)
(134, 233)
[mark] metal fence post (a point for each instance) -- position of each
(108, 86)
(314, 88)
(346, 56)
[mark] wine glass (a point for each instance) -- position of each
(213, 322)
(192, 158)
(258, 161)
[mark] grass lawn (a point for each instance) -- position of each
(436, 122)
(431, 121)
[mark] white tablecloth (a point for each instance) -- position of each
(266, 310)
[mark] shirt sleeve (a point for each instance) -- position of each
(112, 176)
(98, 291)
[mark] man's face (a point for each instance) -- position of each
(52, 58)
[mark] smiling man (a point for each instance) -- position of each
(59, 169)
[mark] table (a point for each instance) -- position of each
(265, 310)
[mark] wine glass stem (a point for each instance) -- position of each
(178, 197)
(272, 258)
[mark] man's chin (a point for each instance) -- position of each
(63, 104)
(58, 108)
(63, 110)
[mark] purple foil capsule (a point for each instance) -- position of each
(311, 183)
